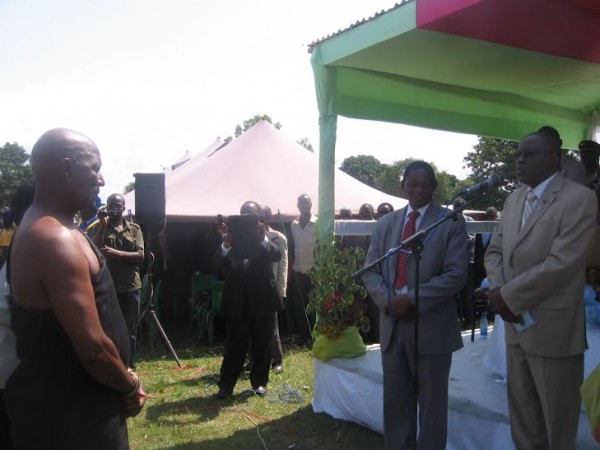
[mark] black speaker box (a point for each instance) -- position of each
(149, 197)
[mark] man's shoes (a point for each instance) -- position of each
(278, 368)
(260, 391)
(223, 393)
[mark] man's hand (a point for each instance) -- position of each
(102, 218)
(110, 253)
(495, 300)
(260, 230)
(498, 306)
(508, 316)
(134, 403)
(223, 231)
(480, 293)
(402, 308)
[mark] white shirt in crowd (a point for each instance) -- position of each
(305, 240)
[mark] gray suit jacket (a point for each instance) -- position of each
(541, 268)
(443, 272)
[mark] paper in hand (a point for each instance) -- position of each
(526, 322)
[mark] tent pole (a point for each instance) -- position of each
(327, 129)
(325, 84)
(594, 131)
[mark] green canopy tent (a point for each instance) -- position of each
(499, 68)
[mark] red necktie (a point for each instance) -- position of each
(409, 230)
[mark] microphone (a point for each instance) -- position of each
(492, 181)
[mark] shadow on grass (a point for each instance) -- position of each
(187, 348)
(301, 430)
(162, 353)
(183, 414)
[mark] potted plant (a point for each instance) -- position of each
(338, 301)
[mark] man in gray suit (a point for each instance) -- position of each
(443, 272)
(536, 267)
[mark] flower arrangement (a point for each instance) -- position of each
(336, 298)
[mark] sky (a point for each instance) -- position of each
(148, 80)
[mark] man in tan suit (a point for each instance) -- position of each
(536, 266)
(280, 272)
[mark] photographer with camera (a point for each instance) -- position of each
(250, 298)
(122, 244)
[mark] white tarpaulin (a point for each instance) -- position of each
(352, 389)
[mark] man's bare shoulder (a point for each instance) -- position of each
(44, 252)
(44, 239)
(46, 231)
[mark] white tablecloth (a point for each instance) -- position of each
(352, 389)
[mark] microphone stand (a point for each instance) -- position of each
(416, 244)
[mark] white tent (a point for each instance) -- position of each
(262, 165)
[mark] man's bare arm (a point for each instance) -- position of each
(130, 257)
(64, 272)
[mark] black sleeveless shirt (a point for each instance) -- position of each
(52, 401)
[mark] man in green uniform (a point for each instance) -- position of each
(122, 244)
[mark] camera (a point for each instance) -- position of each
(243, 233)
(110, 214)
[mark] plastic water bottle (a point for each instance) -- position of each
(483, 325)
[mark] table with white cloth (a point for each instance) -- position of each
(352, 389)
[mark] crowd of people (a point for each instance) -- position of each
(68, 363)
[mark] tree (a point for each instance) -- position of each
(239, 129)
(389, 181)
(448, 185)
(304, 142)
(14, 170)
(493, 156)
(129, 187)
(365, 168)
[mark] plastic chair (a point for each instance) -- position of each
(216, 296)
(200, 285)
(205, 303)
(202, 282)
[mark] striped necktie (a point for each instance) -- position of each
(409, 230)
(528, 208)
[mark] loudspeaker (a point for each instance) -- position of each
(149, 197)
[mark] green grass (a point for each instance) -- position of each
(181, 413)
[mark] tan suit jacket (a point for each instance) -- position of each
(280, 268)
(541, 268)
